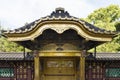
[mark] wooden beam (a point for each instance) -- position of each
(59, 54)
(37, 67)
(95, 52)
(82, 65)
(24, 53)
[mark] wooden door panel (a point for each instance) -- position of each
(60, 66)
(59, 69)
(59, 78)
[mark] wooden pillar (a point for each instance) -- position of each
(37, 67)
(82, 65)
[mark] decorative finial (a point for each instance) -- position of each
(59, 13)
(59, 9)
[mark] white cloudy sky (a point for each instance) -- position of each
(15, 13)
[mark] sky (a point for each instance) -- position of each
(15, 13)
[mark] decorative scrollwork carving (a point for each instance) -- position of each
(59, 29)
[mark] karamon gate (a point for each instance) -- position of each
(59, 44)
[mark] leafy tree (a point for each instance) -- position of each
(7, 46)
(117, 25)
(106, 18)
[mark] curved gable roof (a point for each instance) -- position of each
(58, 16)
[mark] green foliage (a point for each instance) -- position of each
(109, 19)
(108, 47)
(105, 17)
(117, 26)
(117, 39)
(6, 46)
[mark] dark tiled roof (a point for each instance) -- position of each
(59, 14)
(104, 56)
(14, 56)
(20, 56)
(108, 56)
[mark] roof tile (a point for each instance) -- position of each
(59, 14)
(20, 56)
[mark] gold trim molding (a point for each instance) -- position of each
(60, 28)
(59, 54)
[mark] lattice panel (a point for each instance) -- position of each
(24, 71)
(6, 72)
(95, 71)
(113, 72)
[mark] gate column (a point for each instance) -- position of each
(36, 66)
(82, 65)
